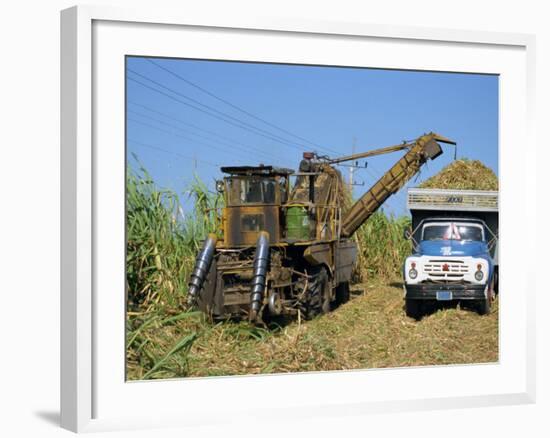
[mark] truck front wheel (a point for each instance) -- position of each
(413, 308)
(484, 306)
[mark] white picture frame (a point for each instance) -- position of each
(94, 394)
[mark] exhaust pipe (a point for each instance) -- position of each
(202, 266)
(259, 274)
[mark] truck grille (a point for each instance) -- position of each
(445, 269)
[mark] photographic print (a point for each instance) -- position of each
(296, 218)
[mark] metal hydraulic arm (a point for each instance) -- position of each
(419, 151)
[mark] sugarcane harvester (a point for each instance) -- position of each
(289, 250)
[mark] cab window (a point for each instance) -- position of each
(453, 231)
(251, 191)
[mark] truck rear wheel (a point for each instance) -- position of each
(413, 308)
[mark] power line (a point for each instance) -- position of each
(199, 128)
(150, 146)
(206, 112)
(198, 135)
(179, 135)
(238, 108)
(219, 114)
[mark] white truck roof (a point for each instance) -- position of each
(452, 200)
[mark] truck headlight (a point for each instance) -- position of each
(413, 273)
(478, 275)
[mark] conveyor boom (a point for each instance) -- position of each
(422, 149)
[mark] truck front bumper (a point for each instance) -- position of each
(429, 291)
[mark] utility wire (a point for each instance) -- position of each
(199, 128)
(150, 146)
(217, 114)
(259, 151)
(184, 137)
(236, 107)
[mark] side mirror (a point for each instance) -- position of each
(407, 233)
(220, 185)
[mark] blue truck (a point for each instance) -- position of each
(455, 249)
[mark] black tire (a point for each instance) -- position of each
(342, 293)
(495, 280)
(318, 295)
(484, 306)
(414, 308)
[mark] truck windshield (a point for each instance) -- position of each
(452, 231)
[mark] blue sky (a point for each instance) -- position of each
(206, 114)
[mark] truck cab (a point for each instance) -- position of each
(454, 252)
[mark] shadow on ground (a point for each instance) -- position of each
(51, 417)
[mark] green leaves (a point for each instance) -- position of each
(381, 246)
(184, 343)
(162, 240)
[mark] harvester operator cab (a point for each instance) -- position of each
(253, 199)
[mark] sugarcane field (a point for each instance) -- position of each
(371, 330)
(244, 258)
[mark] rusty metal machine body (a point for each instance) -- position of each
(284, 250)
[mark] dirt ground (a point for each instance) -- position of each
(370, 331)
